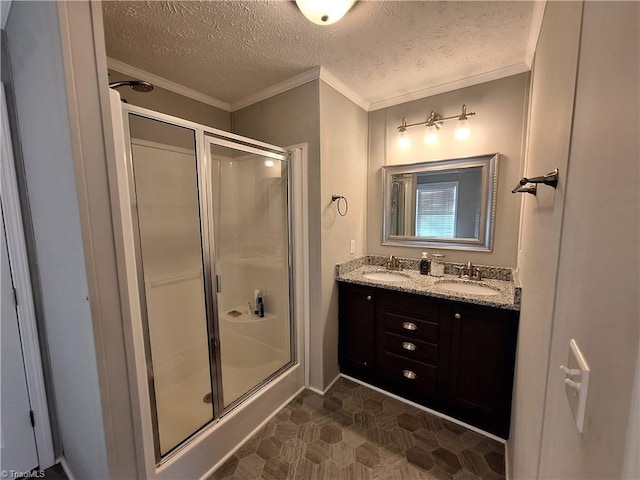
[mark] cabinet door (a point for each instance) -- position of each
(356, 331)
(477, 381)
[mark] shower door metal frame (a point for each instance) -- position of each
(204, 136)
(243, 144)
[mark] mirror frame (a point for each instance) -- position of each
(484, 241)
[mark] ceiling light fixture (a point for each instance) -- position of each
(433, 123)
(324, 12)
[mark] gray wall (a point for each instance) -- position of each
(343, 154)
(288, 119)
(336, 131)
(171, 103)
(598, 279)
(498, 126)
(34, 42)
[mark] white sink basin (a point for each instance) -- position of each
(468, 288)
(386, 276)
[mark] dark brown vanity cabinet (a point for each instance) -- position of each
(453, 357)
(356, 330)
(407, 345)
(477, 378)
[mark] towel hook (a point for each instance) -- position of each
(339, 198)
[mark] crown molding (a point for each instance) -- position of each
(331, 80)
(450, 86)
(534, 31)
(278, 88)
(328, 78)
(293, 82)
(166, 84)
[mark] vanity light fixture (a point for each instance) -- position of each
(463, 131)
(324, 12)
(433, 123)
(431, 135)
(403, 140)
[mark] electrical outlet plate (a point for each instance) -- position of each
(576, 383)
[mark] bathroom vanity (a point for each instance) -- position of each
(451, 352)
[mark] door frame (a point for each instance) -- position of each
(19, 261)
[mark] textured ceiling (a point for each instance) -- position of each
(381, 49)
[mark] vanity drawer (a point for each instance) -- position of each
(410, 348)
(411, 305)
(409, 378)
(409, 326)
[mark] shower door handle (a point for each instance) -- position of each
(218, 284)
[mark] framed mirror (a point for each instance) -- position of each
(448, 204)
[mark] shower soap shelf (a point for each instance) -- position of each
(240, 315)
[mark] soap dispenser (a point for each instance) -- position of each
(424, 264)
(260, 305)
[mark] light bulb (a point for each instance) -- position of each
(462, 130)
(269, 163)
(324, 12)
(403, 139)
(431, 135)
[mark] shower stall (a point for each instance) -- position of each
(207, 228)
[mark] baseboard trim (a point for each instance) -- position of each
(321, 392)
(428, 410)
(65, 467)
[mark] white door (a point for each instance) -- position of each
(17, 436)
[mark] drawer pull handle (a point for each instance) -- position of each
(457, 316)
(409, 374)
(409, 346)
(409, 326)
(369, 297)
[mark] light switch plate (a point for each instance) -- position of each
(576, 382)
(352, 246)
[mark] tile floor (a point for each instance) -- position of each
(356, 433)
(55, 472)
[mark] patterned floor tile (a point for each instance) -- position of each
(368, 455)
(356, 433)
(276, 469)
(293, 449)
(343, 454)
(269, 448)
(250, 466)
(419, 457)
(318, 451)
(331, 433)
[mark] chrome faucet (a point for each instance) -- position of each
(394, 264)
(470, 271)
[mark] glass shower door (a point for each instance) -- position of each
(249, 200)
(172, 275)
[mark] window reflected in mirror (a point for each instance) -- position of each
(444, 204)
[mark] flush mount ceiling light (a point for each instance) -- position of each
(324, 12)
(433, 123)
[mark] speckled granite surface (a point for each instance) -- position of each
(503, 280)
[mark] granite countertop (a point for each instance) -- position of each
(503, 280)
